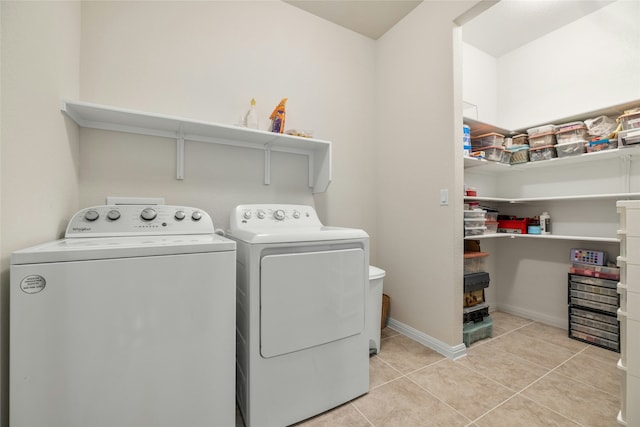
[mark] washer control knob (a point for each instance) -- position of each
(179, 215)
(196, 216)
(296, 214)
(261, 214)
(278, 214)
(148, 214)
(91, 215)
(246, 214)
(113, 214)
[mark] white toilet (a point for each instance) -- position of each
(376, 276)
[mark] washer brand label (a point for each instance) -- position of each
(80, 229)
(33, 284)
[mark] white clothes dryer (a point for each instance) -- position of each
(127, 321)
(302, 292)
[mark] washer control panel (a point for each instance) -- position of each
(267, 216)
(135, 220)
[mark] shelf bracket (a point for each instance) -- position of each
(180, 154)
(267, 164)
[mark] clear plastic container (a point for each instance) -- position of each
(541, 129)
(542, 153)
(572, 134)
(630, 120)
(492, 216)
(475, 262)
(565, 126)
(473, 222)
(519, 139)
(506, 156)
(600, 145)
(542, 139)
(571, 148)
(474, 231)
(475, 213)
(519, 154)
(494, 153)
(487, 140)
(492, 227)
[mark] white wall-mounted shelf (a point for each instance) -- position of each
(544, 236)
(571, 198)
(182, 129)
(497, 167)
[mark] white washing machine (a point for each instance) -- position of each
(302, 292)
(127, 321)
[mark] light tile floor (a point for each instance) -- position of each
(527, 374)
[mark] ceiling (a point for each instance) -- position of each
(371, 18)
(503, 27)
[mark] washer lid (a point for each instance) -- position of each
(94, 248)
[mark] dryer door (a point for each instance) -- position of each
(311, 298)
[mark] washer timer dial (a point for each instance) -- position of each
(148, 214)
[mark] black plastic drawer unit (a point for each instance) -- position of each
(593, 305)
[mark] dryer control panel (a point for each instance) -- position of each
(266, 216)
(136, 220)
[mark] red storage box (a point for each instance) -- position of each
(512, 226)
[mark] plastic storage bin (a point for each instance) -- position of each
(474, 222)
(492, 227)
(542, 139)
(491, 216)
(573, 148)
(474, 231)
(611, 273)
(521, 139)
(487, 140)
(519, 154)
(476, 313)
(473, 332)
(630, 120)
(602, 144)
(506, 156)
(475, 213)
(512, 226)
(575, 132)
(542, 153)
(492, 153)
(475, 262)
(541, 129)
(476, 281)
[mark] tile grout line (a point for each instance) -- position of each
(519, 393)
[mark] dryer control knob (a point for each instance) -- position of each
(261, 214)
(148, 214)
(113, 214)
(246, 214)
(296, 214)
(196, 216)
(91, 215)
(179, 215)
(278, 214)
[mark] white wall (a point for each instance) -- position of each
(479, 82)
(589, 64)
(206, 60)
(39, 151)
(419, 116)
